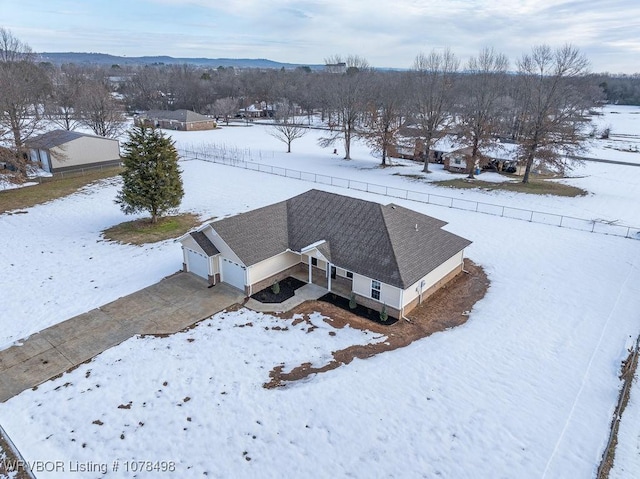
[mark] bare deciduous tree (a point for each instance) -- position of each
(346, 100)
(63, 107)
(551, 104)
(385, 113)
(24, 88)
(285, 128)
(434, 80)
(13, 49)
(225, 107)
(100, 111)
(482, 89)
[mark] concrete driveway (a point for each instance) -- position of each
(167, 307)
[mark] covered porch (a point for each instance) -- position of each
(339, 285)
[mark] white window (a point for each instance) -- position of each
(457, 161)
(375, 289)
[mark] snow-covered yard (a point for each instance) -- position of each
(525, 388)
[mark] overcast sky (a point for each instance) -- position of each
(387, 33)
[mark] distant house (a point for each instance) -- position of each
(183, 120)
(410, 145)
(340, 67)
(252, 111)
(262, 110)
(384, 255)
(457, 161)
(62, 150)
(501, 157)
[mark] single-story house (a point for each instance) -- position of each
(410, 145)
(63, 150)
(263, 110)
(183, 120)
(501, 157)
(457, 161)
(385, 255)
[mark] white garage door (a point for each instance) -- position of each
(232, 273)
(197, 263)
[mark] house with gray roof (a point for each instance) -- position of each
(385, 255)
(183, 120)
(62, 150)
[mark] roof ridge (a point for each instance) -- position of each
(383, 212)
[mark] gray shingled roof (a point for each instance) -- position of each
(205, 243)
(55, 138)
(184, 116)
(256, 235)
(377, 241)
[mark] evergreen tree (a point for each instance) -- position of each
(151, 177)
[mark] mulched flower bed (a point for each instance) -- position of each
(288, 288)
(359, 310)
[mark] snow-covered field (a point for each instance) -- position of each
(525, 388)
(623, 143)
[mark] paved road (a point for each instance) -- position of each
(167, 307)
(600, 160)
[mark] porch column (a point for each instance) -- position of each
(328, 276)
(310, 271)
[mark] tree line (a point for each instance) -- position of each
(539, 101)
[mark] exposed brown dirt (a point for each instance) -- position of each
(628, 372)
(447, 308)
(9, 460)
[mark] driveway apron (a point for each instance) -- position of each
(167, 307)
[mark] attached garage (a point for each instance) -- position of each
(197, 263)
(233, 273)
(200, 256)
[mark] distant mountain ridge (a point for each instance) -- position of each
(106, 59)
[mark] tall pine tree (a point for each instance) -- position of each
(151, 177)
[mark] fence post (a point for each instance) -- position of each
(593, 227)
(561, 218)
(531, 217)
(628, 232)
(502, 214)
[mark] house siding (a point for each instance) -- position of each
(176, 125)
(389, 295)
(291, 271)
(433, 281)
(84, 151)
(270, 266)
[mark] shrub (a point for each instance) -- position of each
(352, 301)
(383, 314)
(275, 288)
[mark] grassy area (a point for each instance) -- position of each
(50, 189)
(142, 231)
(534, 187)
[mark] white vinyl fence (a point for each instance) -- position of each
(242, 158)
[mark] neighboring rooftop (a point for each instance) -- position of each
(55, 138)
(390, 243)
